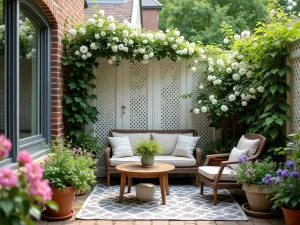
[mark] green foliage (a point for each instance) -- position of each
(213, 147)
(254, 172)
(90, 143)
(291, 147)
(62, 169)
(148, 148)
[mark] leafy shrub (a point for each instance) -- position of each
(213, 147)
(148, 148)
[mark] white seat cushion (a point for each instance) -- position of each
(248, 144)
(211, 172)
(134, 138)
(120, 147)
(173, 160)
(167, 141)
(185, 146)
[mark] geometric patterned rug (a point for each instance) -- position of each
(183, 203)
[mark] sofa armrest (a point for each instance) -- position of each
(198, 156)
(208, 157)
(107, 156)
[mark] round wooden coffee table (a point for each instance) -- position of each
(159, 170)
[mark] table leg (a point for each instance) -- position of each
(129, 184)
(162, 182)
(167, 183)
(122, 187)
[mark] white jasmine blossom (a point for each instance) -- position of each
(249, 74)
(226, 41)
(242, 71)
(101, 12)
(213, 77)
(237, 93)
(217, 82)
(110, 61)
(243, 96)
(235, 65)
(112, 27)
(236, 77)
(248, 97)
(228, 70)
(244, 103)
(177, 33)
(146, 57)
(88, 54)
(103, 34)
(82, 31)
(201, 86)
(108, 44)
(204, 109)
(199, 102)
(234, 88)
(114, 58)
(170, 39)
(145, 41)
(142, 50)
(245, 34)
(196, 111)
(210, 69)
(272, 12)
(125, 49)
(73, 32)
(201, 50)
(150, 36)
(91, 21)
(110, 19)
(220, 63)
(151, 54)
(236, 37)
(84, 57)
(93, 46)
(191, 51)
(144, 61)
(203, 57)
(130, 42)
(116, 39)
(211, 97)
(261, 89)
(193, 68)
(121, 47)
(166, 43)
(214, 101)
(184, 51)
(178, 41)
(224, 108)
(252, 90)
(115, 48)
(125, 33)
(83, 49)
(97, 36)
(232, 97)
(196, 61)
(240, 57)
(77, 53)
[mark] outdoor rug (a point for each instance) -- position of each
(183, 203)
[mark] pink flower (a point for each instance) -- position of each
(24, 158)
(42, 189)
(5, 146)
(34, 171)
(8, 178)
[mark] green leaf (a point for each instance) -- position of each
(273, 54)
(77, 99)
(7, 207)
(72, 85)
(69, 100)
(284, 106)
(269, 120)
(83, 104)
(273, 88)
(279, 121)
(35, 212)
(274, 133)
(52, 205)
(269, 106)
(284, 117)
(274, 71)
(265, 115)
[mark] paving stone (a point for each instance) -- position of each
(176, 222)
(226, 223)
(88, 222)
(127, 222)
(277, 221)
(56, 223)
(160, 222)
(104, 222)
(245, 223)
(72, 222)
(41, 222)
(206, 223)
(190, 222)
(148, 222)
(261, 223)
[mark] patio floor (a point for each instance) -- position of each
(80, 200)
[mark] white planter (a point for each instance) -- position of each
(145, 192)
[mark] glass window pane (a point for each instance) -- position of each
(2, 74)
(29, 108)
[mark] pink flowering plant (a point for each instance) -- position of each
(253, 172)
(22, 191)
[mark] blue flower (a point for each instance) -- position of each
(295, 174)
(285, 174)
(279, 172)
(268, 176)
(291, 186)
(290, 164)
(243, 159)
(277, 180)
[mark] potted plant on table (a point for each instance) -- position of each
(251, 175)
(67, 175)
(148, 149)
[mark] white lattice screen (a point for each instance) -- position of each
(138, 96)
(170, 95)
(295, 84)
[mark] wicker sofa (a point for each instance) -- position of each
(182, 164)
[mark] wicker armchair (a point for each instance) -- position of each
(217, 182)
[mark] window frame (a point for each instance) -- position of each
(33, 144)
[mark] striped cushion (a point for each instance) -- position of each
(185, 146)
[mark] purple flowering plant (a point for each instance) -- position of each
(285, 186)
(253, 172)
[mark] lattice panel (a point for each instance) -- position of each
(106, 76)
(138, 94)
(295, 93)
(2, 96)
(170, 95)
(200, 121)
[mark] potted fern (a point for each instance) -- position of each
(148, 149)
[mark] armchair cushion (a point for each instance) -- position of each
(250, 145)
(134, 138)
(211, 172)
(235, 155)
(120, 146)
(167, 141)
(185, 146)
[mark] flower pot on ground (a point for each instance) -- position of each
(251, 175)
(148, 149)
(67, 175)
(291, 216)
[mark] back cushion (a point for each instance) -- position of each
(134, 138)
(120, 147)
(248, 144)
(168, 141)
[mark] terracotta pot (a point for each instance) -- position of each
(64, 201)
(291, 216)
(257, 198)
(215, 161)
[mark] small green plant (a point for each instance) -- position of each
(62, 169)
(213, 147)
(89, 143)
(148, 148)
(253, 173)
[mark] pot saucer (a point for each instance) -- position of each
(248, 211)
(54, 218)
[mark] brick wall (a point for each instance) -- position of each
(58, 11)
(150, 19)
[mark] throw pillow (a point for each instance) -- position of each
(120, 147)
(134, 138)
(235, 155)
(250, 145)
(185, 146)
(167, 141)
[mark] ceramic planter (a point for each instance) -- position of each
(147, 160)
(64, 201)
(257, 198)
(291, 216)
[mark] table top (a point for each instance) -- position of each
(137, 168)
